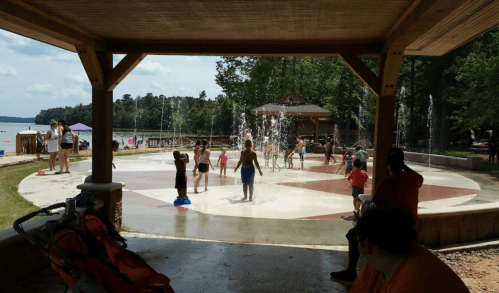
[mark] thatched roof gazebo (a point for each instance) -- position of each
(293, 106)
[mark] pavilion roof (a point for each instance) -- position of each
(291, 106)
(264, 28)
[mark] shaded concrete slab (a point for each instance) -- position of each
(195, 266)
(208, 266)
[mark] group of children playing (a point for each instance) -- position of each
(274, 150)
(248, 160)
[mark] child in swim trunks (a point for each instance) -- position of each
(181, 178)
(248, 169)
(222, 159)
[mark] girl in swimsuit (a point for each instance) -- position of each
(197, 147)
(222, 159)
(203, 166)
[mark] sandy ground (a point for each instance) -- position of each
(479, 269)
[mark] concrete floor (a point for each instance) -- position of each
(208, 266)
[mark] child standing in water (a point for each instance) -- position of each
(348, 160)
(222, 159)
(344, 153)
(181, 179)
(275, 156)
(248, 169)
(197, 147)
(290, 158)
(266, 154)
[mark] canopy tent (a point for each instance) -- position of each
(80, 127)
(293, 106)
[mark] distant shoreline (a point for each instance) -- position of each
(7, 119)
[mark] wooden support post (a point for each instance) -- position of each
(316, 128)
(390, 64)
(102, 126)
(102, 76)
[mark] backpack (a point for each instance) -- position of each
(67, 138)
(91, 251)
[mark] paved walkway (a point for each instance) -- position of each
(17, 160)
(282, 200)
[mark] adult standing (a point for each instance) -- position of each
(492, 149)
(52, 139)
(362, 155)
(204, 166)
(400, 190)
(39, 144)
(300, 146)
(66, 143)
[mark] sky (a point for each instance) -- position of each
(36, 76)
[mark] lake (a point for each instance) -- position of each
(8, 131)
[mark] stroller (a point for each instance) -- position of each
(84, 250)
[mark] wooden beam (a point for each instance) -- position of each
(26, 16)
(122, 69)
(224, 48)
(92, 66)
(362, 71)
(102, 126)
(390, 64)
(425, 15)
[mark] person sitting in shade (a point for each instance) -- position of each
(399, 190)
(395, 262)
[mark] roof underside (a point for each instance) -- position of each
(291, 105)
(266, 28)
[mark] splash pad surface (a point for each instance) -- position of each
(318, 192)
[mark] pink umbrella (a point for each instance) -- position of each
(130, 141)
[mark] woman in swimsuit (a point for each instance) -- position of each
(197, 147)
(203, 167)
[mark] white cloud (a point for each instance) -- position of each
(157, 86)
(78, 92)
(76, 78)
(7, 70)
(67, 57)
(42, 89)
(149, 68)
(14, 39)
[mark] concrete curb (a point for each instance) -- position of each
(477, 245)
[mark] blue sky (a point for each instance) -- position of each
(36, 76)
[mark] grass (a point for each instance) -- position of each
(12, 204)
(449, 153)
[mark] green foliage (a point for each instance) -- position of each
(46, 115)
(185, 114)
(477, 88)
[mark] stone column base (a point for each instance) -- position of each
(111, 194)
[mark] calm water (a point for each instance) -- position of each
(11, 129)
